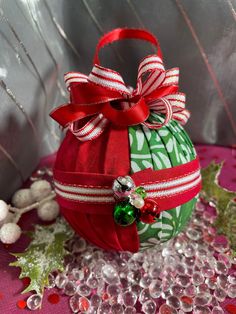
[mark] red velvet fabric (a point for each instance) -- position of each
(108, 154)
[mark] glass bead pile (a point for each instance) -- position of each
(192, 273)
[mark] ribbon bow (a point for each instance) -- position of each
(102, 97)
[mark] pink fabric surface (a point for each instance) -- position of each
(11, 286)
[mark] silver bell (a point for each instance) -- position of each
(123, 186)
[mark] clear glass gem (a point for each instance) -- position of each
(34, 302)
(83, 290)
(149, 307)
(231, 290)
(220, 294)
(110, 274)
(70, 288)
(129, 298)
(61, 280)
(173, 302)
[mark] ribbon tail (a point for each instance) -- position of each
(91, 130)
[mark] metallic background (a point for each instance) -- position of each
(42, 39)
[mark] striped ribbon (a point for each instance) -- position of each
(104, 194)
(154, 84)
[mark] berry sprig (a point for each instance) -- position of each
(40, 195)
(132, 203)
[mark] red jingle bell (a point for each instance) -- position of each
(149, 212)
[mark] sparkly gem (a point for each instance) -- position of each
(104, 308)
(155, 289)
(129, 298)
(197, 278)
(231, 290)
(74, 303)
(207, 271)
(186, 303)
(190, 291)
(201, 310)
(84, 304)
(144, 295)
(34, 302)
(177, 290)
(110, 274)
(95, 301)
(70, 288)
(166, 309)
(232, 278)
(123, 186)
(145, 281)
(117, 309)
(124, 213)
(217, 310)
(61, 280)
(130, 310)
(173, 302)
(220, 294)
(202, 299)
(83, 290)
(183, 280)
(222, 281)
(113, 290)
(149, 307)
(149, 212)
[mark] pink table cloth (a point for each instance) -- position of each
(11, 286)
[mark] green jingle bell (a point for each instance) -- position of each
(124, 213)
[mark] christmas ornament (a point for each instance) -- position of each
(126, 172)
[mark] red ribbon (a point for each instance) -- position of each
(104, 97)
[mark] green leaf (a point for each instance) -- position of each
(44, 254)
(223, 199)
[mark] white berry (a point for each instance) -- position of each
(10, 233)
(4, 208)
(22, 198)
(138, 202)
(40, 189)
(48, 210)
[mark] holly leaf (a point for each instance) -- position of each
(44, 254)
(223, 199)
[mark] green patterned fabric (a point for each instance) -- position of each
(159, 149)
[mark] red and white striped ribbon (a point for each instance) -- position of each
(99, 194)
(151, 77)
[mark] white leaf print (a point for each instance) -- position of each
(130, 139)
(170, 145)
(158, 139)
(134, 166)
(145, 227)
(140, 139)
(147, 164)
(164, 132)
(156, 225)
(166, 214)
(176, 150)
(167, 227)
(177, 209)
(147, 132)
(156, 161)
(165, 160)
(182, 158)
